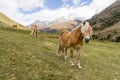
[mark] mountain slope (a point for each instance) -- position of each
(10, 22)
(107, 22)
(63, 25)
(108, 17)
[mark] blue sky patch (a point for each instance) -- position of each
(29, 11)
(53, 4)
(87, 2)
(70, 3)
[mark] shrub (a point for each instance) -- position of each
(115, 32)
(109, 36)
(118, 39)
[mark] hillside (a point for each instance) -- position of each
(63, 25)
(23, 57)
(107, 22)
(6, 20)
(55, 27)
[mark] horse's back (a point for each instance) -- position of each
(71, 38)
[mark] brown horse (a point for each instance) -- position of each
(14, 26)
(74, 40)
(34, 31)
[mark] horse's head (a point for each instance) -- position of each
(86, 30)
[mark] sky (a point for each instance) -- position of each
(28, 11)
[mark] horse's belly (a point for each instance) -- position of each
(78, 46)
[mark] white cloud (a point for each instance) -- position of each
(76, 2)
(29, 4)
(99, 5)
(10, 8)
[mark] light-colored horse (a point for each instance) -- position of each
(34, 31)
(74, 40)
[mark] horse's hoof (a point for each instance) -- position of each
(72, 66)
(79, 68)
(65, 58)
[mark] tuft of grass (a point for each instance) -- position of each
(23, 57)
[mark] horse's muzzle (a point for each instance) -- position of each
(87, 40)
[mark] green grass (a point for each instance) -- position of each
(23, 57)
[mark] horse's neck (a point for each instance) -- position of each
(77, 33)
(76, 30)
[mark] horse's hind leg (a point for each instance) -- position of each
(36, 34)
(59, 49)
(71, 56)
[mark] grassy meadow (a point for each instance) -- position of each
(23, 57)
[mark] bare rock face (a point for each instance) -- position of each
(108, 17)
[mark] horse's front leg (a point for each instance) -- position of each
(65, 54)
(71, 56)
(36, 34)
(79, 59)
(32, 33)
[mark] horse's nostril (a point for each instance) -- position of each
(87, 40)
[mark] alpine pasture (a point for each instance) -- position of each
(23, 57)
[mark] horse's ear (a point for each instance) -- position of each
(84, 22)
(90, 23)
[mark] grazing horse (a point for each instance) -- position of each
(14, 26)
(74, 40)
(34, 31)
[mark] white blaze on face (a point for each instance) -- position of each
(87, 37)
(85, 27)
(84, 30)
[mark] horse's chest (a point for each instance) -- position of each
(75, 44)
